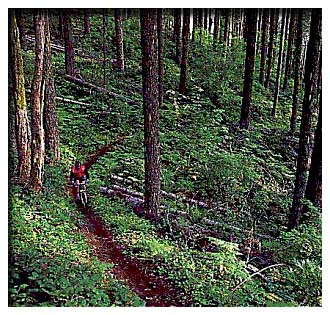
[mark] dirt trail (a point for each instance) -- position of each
(155, 290)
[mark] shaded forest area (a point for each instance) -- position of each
(202, 133)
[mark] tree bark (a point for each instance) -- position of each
(227, 32)
(251, 21)
(297, 61)
(279, 65)
(185, 48)
(216, 27)
(288, 62)
(50, 116)
(177, 36)
(273, 24)
(119, 41)
(160, 56)
(265, 19)
(68, 45)
(305, 127)
(151, 110)
(193, 35)
(210, 21)
(206, 14)
(314, 183)
(87, 27)
(20, 20)
(22, 127)
(37, 105)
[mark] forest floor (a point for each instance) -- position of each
(140, 277)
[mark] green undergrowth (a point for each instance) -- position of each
(51, 263)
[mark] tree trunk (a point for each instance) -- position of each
(193, 36)
(50, 116)
(160, 55)
(314, 183)
(265, 18)
(297, 59)
(177, 37)
(21, 27)
(251, 21)
(292, 28)
(37, 104)
(210, 21)
(185, 48)
(68, 44)
(119, 41)
(306, 117)
(227, 34)
(206, 14)
(105, 46)
(216, 27)
(87, 26)
(22, 127)
(279, 65)
(150, 108)
(273, 23)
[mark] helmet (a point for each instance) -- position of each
(77, 165)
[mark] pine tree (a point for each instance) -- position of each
(22, 127)
(306, 117)
(177, 37)
(150, 73)
(251, 24)
(265, 18)
(50, 116)
(297, 62)
(185, 48)
(87, 27)
(37, 106)
(68, 44)
(119, 41)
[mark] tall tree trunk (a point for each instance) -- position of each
(279, 65)
(265, 18)
(87, 26)
(21, 27)
(150, 109)
(22, 127)
(210, 21)
(306, 117)
(251, 24)
(68, 44)
(119, 41)
(52, 140)
(288, 62)
(37, 105)
(273, 24)
(160, 55)
(216, 27)
(206, 14)
(314, 183)
(193, 35)
(177, 37)
(227, 34)
(297, 58)
(185, 48)
(105, 46)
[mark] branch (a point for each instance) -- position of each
(256, 273)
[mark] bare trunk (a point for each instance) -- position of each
(50, 115)
(216, 27)
(87, 27)
(265, 19)
(160, 55)
(37, 105)
(185, 48)
(68, 44)
(151, 109)
(177, 36)
(251, 21)
(306, 117)
(22, 127)
(119, 41)
(105, 46)
(297, 61)
(279, 65)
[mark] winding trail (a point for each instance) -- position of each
(140, 277)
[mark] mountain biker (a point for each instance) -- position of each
(78, 174)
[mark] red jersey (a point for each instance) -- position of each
(78, 174)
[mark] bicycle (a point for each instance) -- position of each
(81, 194)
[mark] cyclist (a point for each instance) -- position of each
(78, 174)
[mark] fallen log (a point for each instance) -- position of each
(92, 87)
(190, 201)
